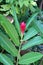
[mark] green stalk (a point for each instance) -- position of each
(18, 56)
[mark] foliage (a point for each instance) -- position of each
(20, 6)
(12, 40)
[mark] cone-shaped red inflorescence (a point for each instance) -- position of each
(22, 27)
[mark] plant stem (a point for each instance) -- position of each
(33, 63)
(18, 57)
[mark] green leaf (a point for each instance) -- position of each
(9, 1)
(21, 3)
(31, 19)
(7, 45)
(17, 25)
(11, 57)
(30, 33)
(32, 8)
(26, 3)
(38, 25)
(32, 42)
(10, 29)
(0, 0)
(30, 58)
(33, 3)
(5, 7)
(5, 60)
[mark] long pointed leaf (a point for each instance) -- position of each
(7, 45)
(5, 60)
(30, 33)
(13, 12)
(34, 41)
(38, 26)
(31, 19)
(10, 29)
(30, 58)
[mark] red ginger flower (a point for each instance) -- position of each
(22, 27)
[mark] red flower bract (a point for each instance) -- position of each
(22, 27)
